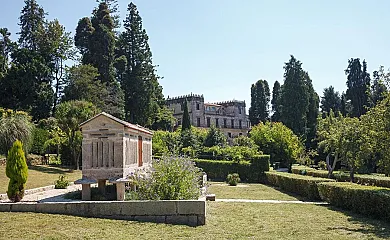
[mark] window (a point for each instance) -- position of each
(182, 107)
(197, 106)
(198, 122)
(224, 123)
(217, 122)
(240, 124)
(240, 134)
(208, 122)
(229, 134)
(239, 110)
(232, 123)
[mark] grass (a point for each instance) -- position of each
(224, 221)
(39, 176)
(248, 191)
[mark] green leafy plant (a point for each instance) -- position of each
(62, 182)
(171, 178)
(233, 179)
(16, 171)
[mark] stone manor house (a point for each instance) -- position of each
(229, 116)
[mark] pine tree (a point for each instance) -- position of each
(186, 125)
(295, 98)
(330, 100)
(275, 102)
(358, 83)
(143, 93)
(260, 97)
(95, 39)
(16, 171)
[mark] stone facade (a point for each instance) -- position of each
(229, 116)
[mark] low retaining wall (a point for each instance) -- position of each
(187, 212)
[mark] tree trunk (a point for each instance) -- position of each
(352, 174)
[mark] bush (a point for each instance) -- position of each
(368, 200)
(16, 171)
(249, 171)
(305, 186)
(233, 179)
(61, 183)
(172, 178)
(39, 137)
(278, 141)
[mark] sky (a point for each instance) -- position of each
(219, 48)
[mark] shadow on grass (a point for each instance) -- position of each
(50, 170)
(368, 225)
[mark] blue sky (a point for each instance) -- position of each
(220, 47)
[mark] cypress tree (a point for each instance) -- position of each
(186, 125)
(16, 171)
(275, 102)
(294, 98)
(312, 113)
(260, 97)
(330, 100)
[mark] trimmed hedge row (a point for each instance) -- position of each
(344, 177)
(368, 200)
(249, 171)
(305, 186)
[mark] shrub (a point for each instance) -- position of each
(368, 200)
(233, 179)
(39, 137)
(172, 178)
(249, 171)
(215, 137)
(305, 186)
(278, 141)
(61, 183)
(322, 165)
(16, 171)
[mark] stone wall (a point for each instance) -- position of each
(186, 212)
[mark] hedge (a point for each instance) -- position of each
(249, 171)
(367, 200)
(305, 186)
(371, 180)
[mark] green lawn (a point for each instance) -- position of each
(39, 176)
(247, 191)
(224, 221)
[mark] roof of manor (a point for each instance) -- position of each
(124, 123)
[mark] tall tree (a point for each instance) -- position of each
(358, 83)
(295, 98)
(260, 97)
(143, 93)
(378, 88)
(330, 100)
(186, 125)
(275, 102)
(312, 113)
(5, 49)
(95, 39)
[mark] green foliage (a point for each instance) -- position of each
(330, 100)
(275, 102)
(14, 126)
(358, 83)
(260, 97)
(70, 114)
(367, 200)
(16, 171)
(295, 97)
(302, 185)
(233, 179)
(311, 115)
(39, 138)
(215, 137)
(249, 171)
(164, 119)
(61, 183)
(378, 89)
(172, 178)
(165, 143)
(244, 141)
(143, 93)
(278, 141)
